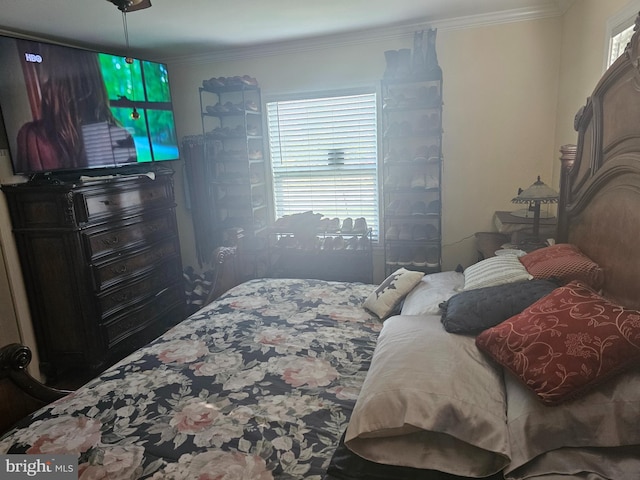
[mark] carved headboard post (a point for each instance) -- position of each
(567, 158)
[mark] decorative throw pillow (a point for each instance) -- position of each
(431, 291)
(566, 343)
(390, 293)
(473, 311)
(564, 262)
(495, 271)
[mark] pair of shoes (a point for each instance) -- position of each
(398, 207)
(425, 182)
(360, 225)
(347, 225)
(433, 257)
(406, 232)
(327, 224)
(424, 232)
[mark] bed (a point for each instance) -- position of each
(518, 368)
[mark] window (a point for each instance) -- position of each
(324, 156)
(619, 31)
(618, 43)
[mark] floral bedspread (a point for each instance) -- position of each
(258, 385)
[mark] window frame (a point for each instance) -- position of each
(317, 94)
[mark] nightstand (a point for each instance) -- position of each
(508, 223)
(488, 242)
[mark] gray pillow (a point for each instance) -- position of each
(472, 311)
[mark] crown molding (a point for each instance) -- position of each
(555, 9)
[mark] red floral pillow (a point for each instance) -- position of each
(564, 262)
(566, 342)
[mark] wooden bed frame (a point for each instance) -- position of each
(20, 393)
(599, 207)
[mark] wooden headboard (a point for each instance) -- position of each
(599, 208)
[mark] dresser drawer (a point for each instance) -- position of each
(93, 205)
(140, 231)
(130, 293)
(144, 315)
(136, 263)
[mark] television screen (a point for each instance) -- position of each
(73, 109)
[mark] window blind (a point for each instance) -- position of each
(619, 39)
(324, 156)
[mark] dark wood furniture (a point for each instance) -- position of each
(488, 242)
(20, 393)
(225, 272)
(101, 264)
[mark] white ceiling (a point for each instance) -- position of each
(184, 28)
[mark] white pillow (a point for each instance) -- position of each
(433, 289)
(429, 399)
(495, 271)
(384, 299)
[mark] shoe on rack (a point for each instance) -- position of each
(360, 225)
(392, 257)
(323, 226)
(419, 208)
(251, 106)
(431, 181)
(338, 243)
(419, 181)
(334, 225)
(398, 207)
(347, 225)
(419, 258)
(434, 206)
(420, 232)
(352, 244)
(406, 232)
(433, 257)
(392, 233)
(405, 257)
(327, 244)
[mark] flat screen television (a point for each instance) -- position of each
(70, 109)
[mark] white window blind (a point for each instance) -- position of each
(324, 156)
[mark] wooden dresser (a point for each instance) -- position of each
(101, 264)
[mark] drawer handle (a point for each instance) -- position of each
(108, 202)
(111, 241)
(161, 292)
(122, 297)
(120, 269)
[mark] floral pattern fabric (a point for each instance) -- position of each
(258, 385)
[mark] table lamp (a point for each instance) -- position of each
(536, 194)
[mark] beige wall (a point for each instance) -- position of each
(583, 53)
(500, 91)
